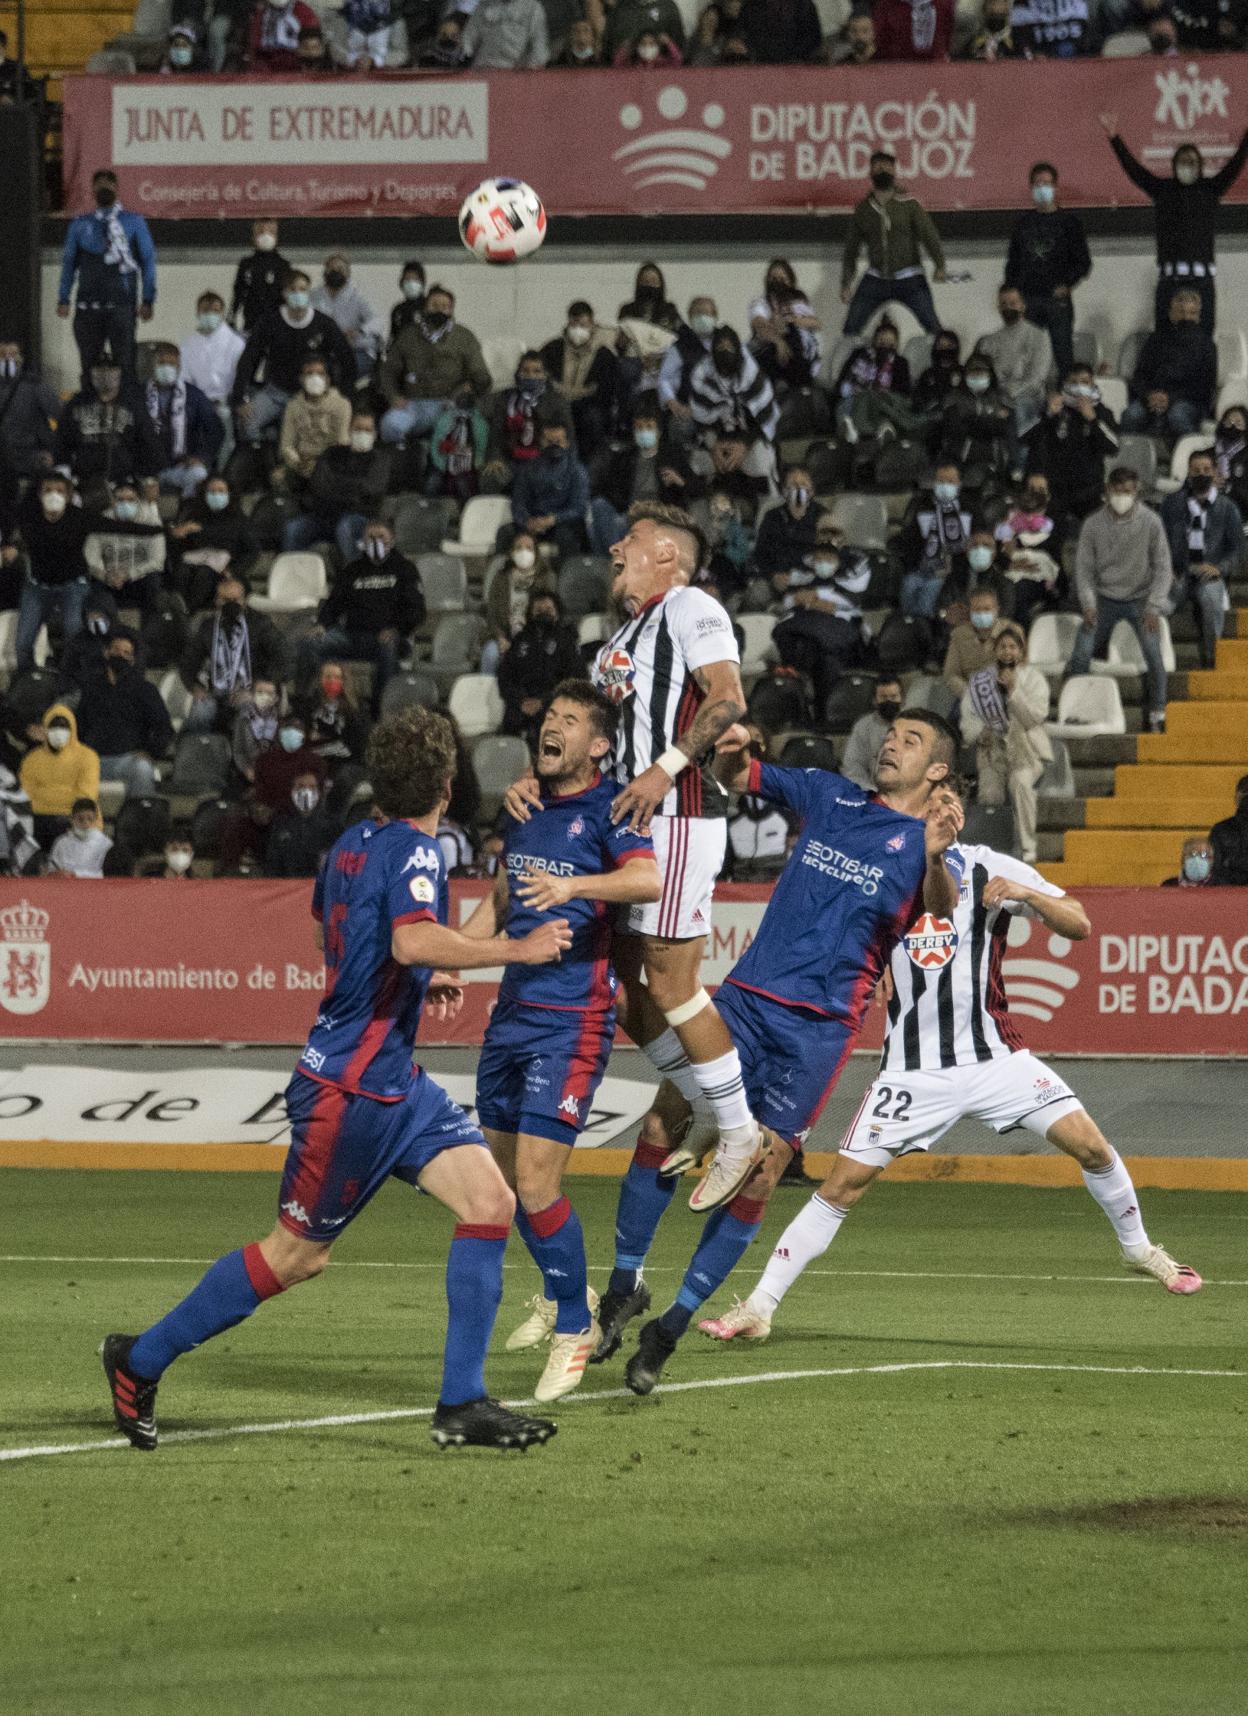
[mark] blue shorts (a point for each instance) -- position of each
(343, 1148)
(540, 1068)
(791, 1058)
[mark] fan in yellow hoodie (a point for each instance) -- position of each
(57, 772)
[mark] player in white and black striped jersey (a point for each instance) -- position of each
(953, 1052)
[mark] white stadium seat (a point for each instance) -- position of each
(1089, 706)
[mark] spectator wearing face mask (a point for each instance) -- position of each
(516, 417)
(259, 279)
(111, 260)
(507, 599)
(691, 345)
(784, 329)
(1196, 867)
(1070, 444)
(429, 362)
(734, 411)
(56, 772)
(1230, 451)
(83, 657)
(582, 366)
(339, 298)
(996, 39)
(580, 49)
(933, 542)
(1206, 536)
(1123, 571)
(273, 36)
(649, 48)
(820, 632)
(105, 432)
(84, 846)
(856, 44)
(786, 533)
(230, 649)
(411, 298)
(1186, 208)
(922, 30)
(868, 733)
(182, 55)
(878, 368)
(126, 550)
(1022, 357)
(53, 535)
(346, 487)
(550, 496)
(301, 833)
(1048, 258)
(543, 652)
(458, 449)
(977, 424)
(337, 726)
(375, 604)
(649, 302)
(245, 831)
(1003, 712)
(212, 536)
(255, 727)
(894, 230)
(628, 18)
(317, 418)
(941, 377)
(1024, 537)
(1176, 374)
(283, 344)
(650, 467)
(123, 718)
(971, 643)
(209, 359)
(1229, 840)
(187, 427)
(174, 863)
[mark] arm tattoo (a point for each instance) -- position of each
(712, 720)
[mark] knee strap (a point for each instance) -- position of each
(688, 1009)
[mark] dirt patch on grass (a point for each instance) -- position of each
(1203, 1516)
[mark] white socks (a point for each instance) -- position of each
(807, 1236)
(1112, 1189)
(722, 1086)
(668, 1058)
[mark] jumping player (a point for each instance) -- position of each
(549, 1037)
(952, 1052)
(674, 670)
(863, 870)
(360, 1112)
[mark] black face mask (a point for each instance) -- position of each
(943, 358)
(888, 711)
(118, 663)
(725, 362)
(435, 319)
(648, 294)
(1232, 432)
(335, 279)
(552, 455)
(231, 613)
(1200, 485)
(883, 181)
(105, 196)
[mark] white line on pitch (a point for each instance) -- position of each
(347, 1420)
(677, 1269)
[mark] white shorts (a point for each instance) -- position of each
(690, 852)
(907, 1111)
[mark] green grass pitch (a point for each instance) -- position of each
(913, 1542)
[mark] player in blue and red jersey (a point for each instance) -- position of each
(549, 1037)
(360, 1112)
(863, 869)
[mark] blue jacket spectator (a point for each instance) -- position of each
(550, 497)
(111, 256)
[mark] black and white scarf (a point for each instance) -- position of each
(945, 530)
(167, 406)
(1226, 451)
(279, 30)
(922, 25)
(118, 254)
(17, 829)
(984, 690)
(1197, 522)
(230, 658)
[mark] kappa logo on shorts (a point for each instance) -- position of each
(296, 1212)
(1036, 987)
(571, 1107)
(932, 942)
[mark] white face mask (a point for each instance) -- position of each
(209, 321)
(647, 52)
(1121, 504)
(306, 799)
(314, 385)
(523, 559)
(577, 335)
(166, 374)
(1187, 174)
(264, 700)
(266, 241)
(53, 503)
(363, 440)
(412, 289)
(82, 833)
(178, 861)
(291, 738)
(58, 738)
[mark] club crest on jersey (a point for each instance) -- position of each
(616, 672)
(576, 826)
(932, 942)
(896, 843)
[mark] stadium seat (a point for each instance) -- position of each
(297, 585)
(445, 582)
(1184, 447)
(584, 585)
(863, 518)
(456, 648)
(905, 643)
(1090, 704)
(758, 655)
(1232, 393)
(1232, 355)
(1086, 345)
(1058, 779)
(1125, 45)
(884, 590)
(402, 690)
(591, 629)
(1124, 658)
(206, 824)
(926, 691)
(175, 697)
(142, 826)
(8, 643)
(1115, 395)
(420, 524)
(502, 353)
(111, 62)
(480, 522)
(989, 825)
(809, 751)
(1050, 641)
(779, 702)
(201, 765)
(498, 760)
(475, 704)
(823, 462)
(270, 515)
(1129, 352)
(851, 696)
(917, 352)
(1139, 453)
(110, 797)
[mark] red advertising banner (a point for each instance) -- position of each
(642, 142)
(1163, 973)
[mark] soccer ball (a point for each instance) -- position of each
(502, 220)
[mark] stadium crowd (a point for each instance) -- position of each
(138, 518)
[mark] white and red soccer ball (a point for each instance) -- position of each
(502, 221)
